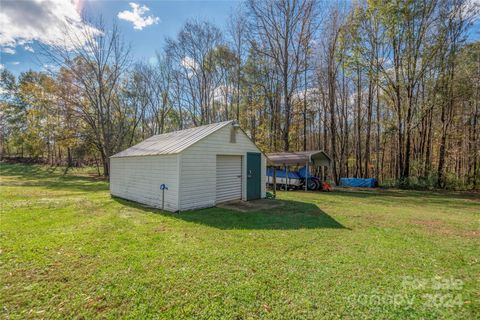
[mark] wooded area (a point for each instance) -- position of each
(390, 89)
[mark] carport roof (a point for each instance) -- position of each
(300, 157)
(172, 142)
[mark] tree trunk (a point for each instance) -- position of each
(369, 127)
(358, 154)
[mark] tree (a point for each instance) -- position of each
(388, 88)
(96, 67)
(237, 30)
(278, 29)
(192, 54)
(452, 31)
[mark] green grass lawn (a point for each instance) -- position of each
(70, 250)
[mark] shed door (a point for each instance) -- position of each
(254, 175)
(229, 178)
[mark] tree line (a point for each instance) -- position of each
(390, 89)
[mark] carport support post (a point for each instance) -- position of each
(306, 176)
(275, 181)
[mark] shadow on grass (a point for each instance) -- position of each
(399, 193)
(409, 197)
(51, 178)
(288, 215)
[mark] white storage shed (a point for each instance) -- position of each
(197, 168)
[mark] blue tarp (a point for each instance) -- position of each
(281, 173)
(357, 182)
(300, 174)
(302, 171)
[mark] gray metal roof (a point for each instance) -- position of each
(317, 157)
(172, 142)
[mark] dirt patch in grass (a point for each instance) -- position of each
(160, 229)
(247, 206)
(440, 228)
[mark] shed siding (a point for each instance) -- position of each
(139, 178)
(198, 167)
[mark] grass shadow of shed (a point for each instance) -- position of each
(284, 215)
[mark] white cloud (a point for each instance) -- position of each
(28, 48)
(2, 66)
(137, 16)
(46, 21)
(15, 62)
(50, 67)
(189, 63)
(474, 7)
(8, 50)
(153, 60)
(221, 91)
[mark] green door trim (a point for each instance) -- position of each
(254, 178)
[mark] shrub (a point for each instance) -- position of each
(428, 182)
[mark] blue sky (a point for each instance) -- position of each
(144, 24)
(171, 16)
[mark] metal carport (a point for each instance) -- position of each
(307, 158)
